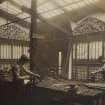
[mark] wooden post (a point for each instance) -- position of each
(88, 60)
(103, 55)
(33, 31)
(69, 64)
(75, 75)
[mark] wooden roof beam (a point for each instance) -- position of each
(13, 18)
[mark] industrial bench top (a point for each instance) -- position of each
(59, 92)
(84, 95)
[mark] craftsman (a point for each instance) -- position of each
(102, 69)
(20, 72)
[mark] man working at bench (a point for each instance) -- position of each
(21, 73)
(101, 70)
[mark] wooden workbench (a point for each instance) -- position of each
(83, 96)
(99, 86)
(52, 92)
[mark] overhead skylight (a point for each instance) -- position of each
(28, 20)
(41, 2)
(71, 7)
(45, 7)
(12, 9)
(18, 2)
(52, 14)
(26, 3)
(6, 6)
(82, 4)
(3, 21)
(23, 15)
(65, 2)
(95, 0)
(77, 5)
(100, 16)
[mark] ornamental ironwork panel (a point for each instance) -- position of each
(13, 31)
(89, 25)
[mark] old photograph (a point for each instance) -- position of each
(52, 52)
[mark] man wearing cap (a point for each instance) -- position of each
(102, 69)
(20, 72)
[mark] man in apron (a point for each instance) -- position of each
(20, 71)
(101, 69)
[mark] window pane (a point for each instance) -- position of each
(2, 52)
(95, 49)
(85, 50)
(78, 52)
(100, 48)
(8, 51)
(74, 51)
(15, 50)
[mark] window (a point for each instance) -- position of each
(82, 51)
(5, 51)
(25, 50)
(17, 51)
(95, 49)
(74, 50)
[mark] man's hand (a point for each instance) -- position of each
(37, 75)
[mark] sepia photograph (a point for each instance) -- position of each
(52, 52)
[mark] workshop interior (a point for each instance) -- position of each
(52, 52)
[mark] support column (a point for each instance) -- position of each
(103, 55)
(59, 63)
(70, 55)
(33, 31)
(70, 64)
(88, 72)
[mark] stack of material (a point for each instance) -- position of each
(65, 86)
(96, 85)
(85, 91)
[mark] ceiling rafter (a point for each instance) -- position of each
(59, 7)
(25, 24)
(28, 10)
(19, 6)
(43, 2)
(12, 17)
(90, 9)
(62, 8)
(65, 12)
(95, 6)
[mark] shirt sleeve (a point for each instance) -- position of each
(30, 73)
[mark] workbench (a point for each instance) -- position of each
(99, 86)
(54, 93)
(83, 96)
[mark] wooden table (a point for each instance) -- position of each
(99, 86)
(54, 93)
(84, 95)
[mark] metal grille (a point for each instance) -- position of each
(85, 55)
